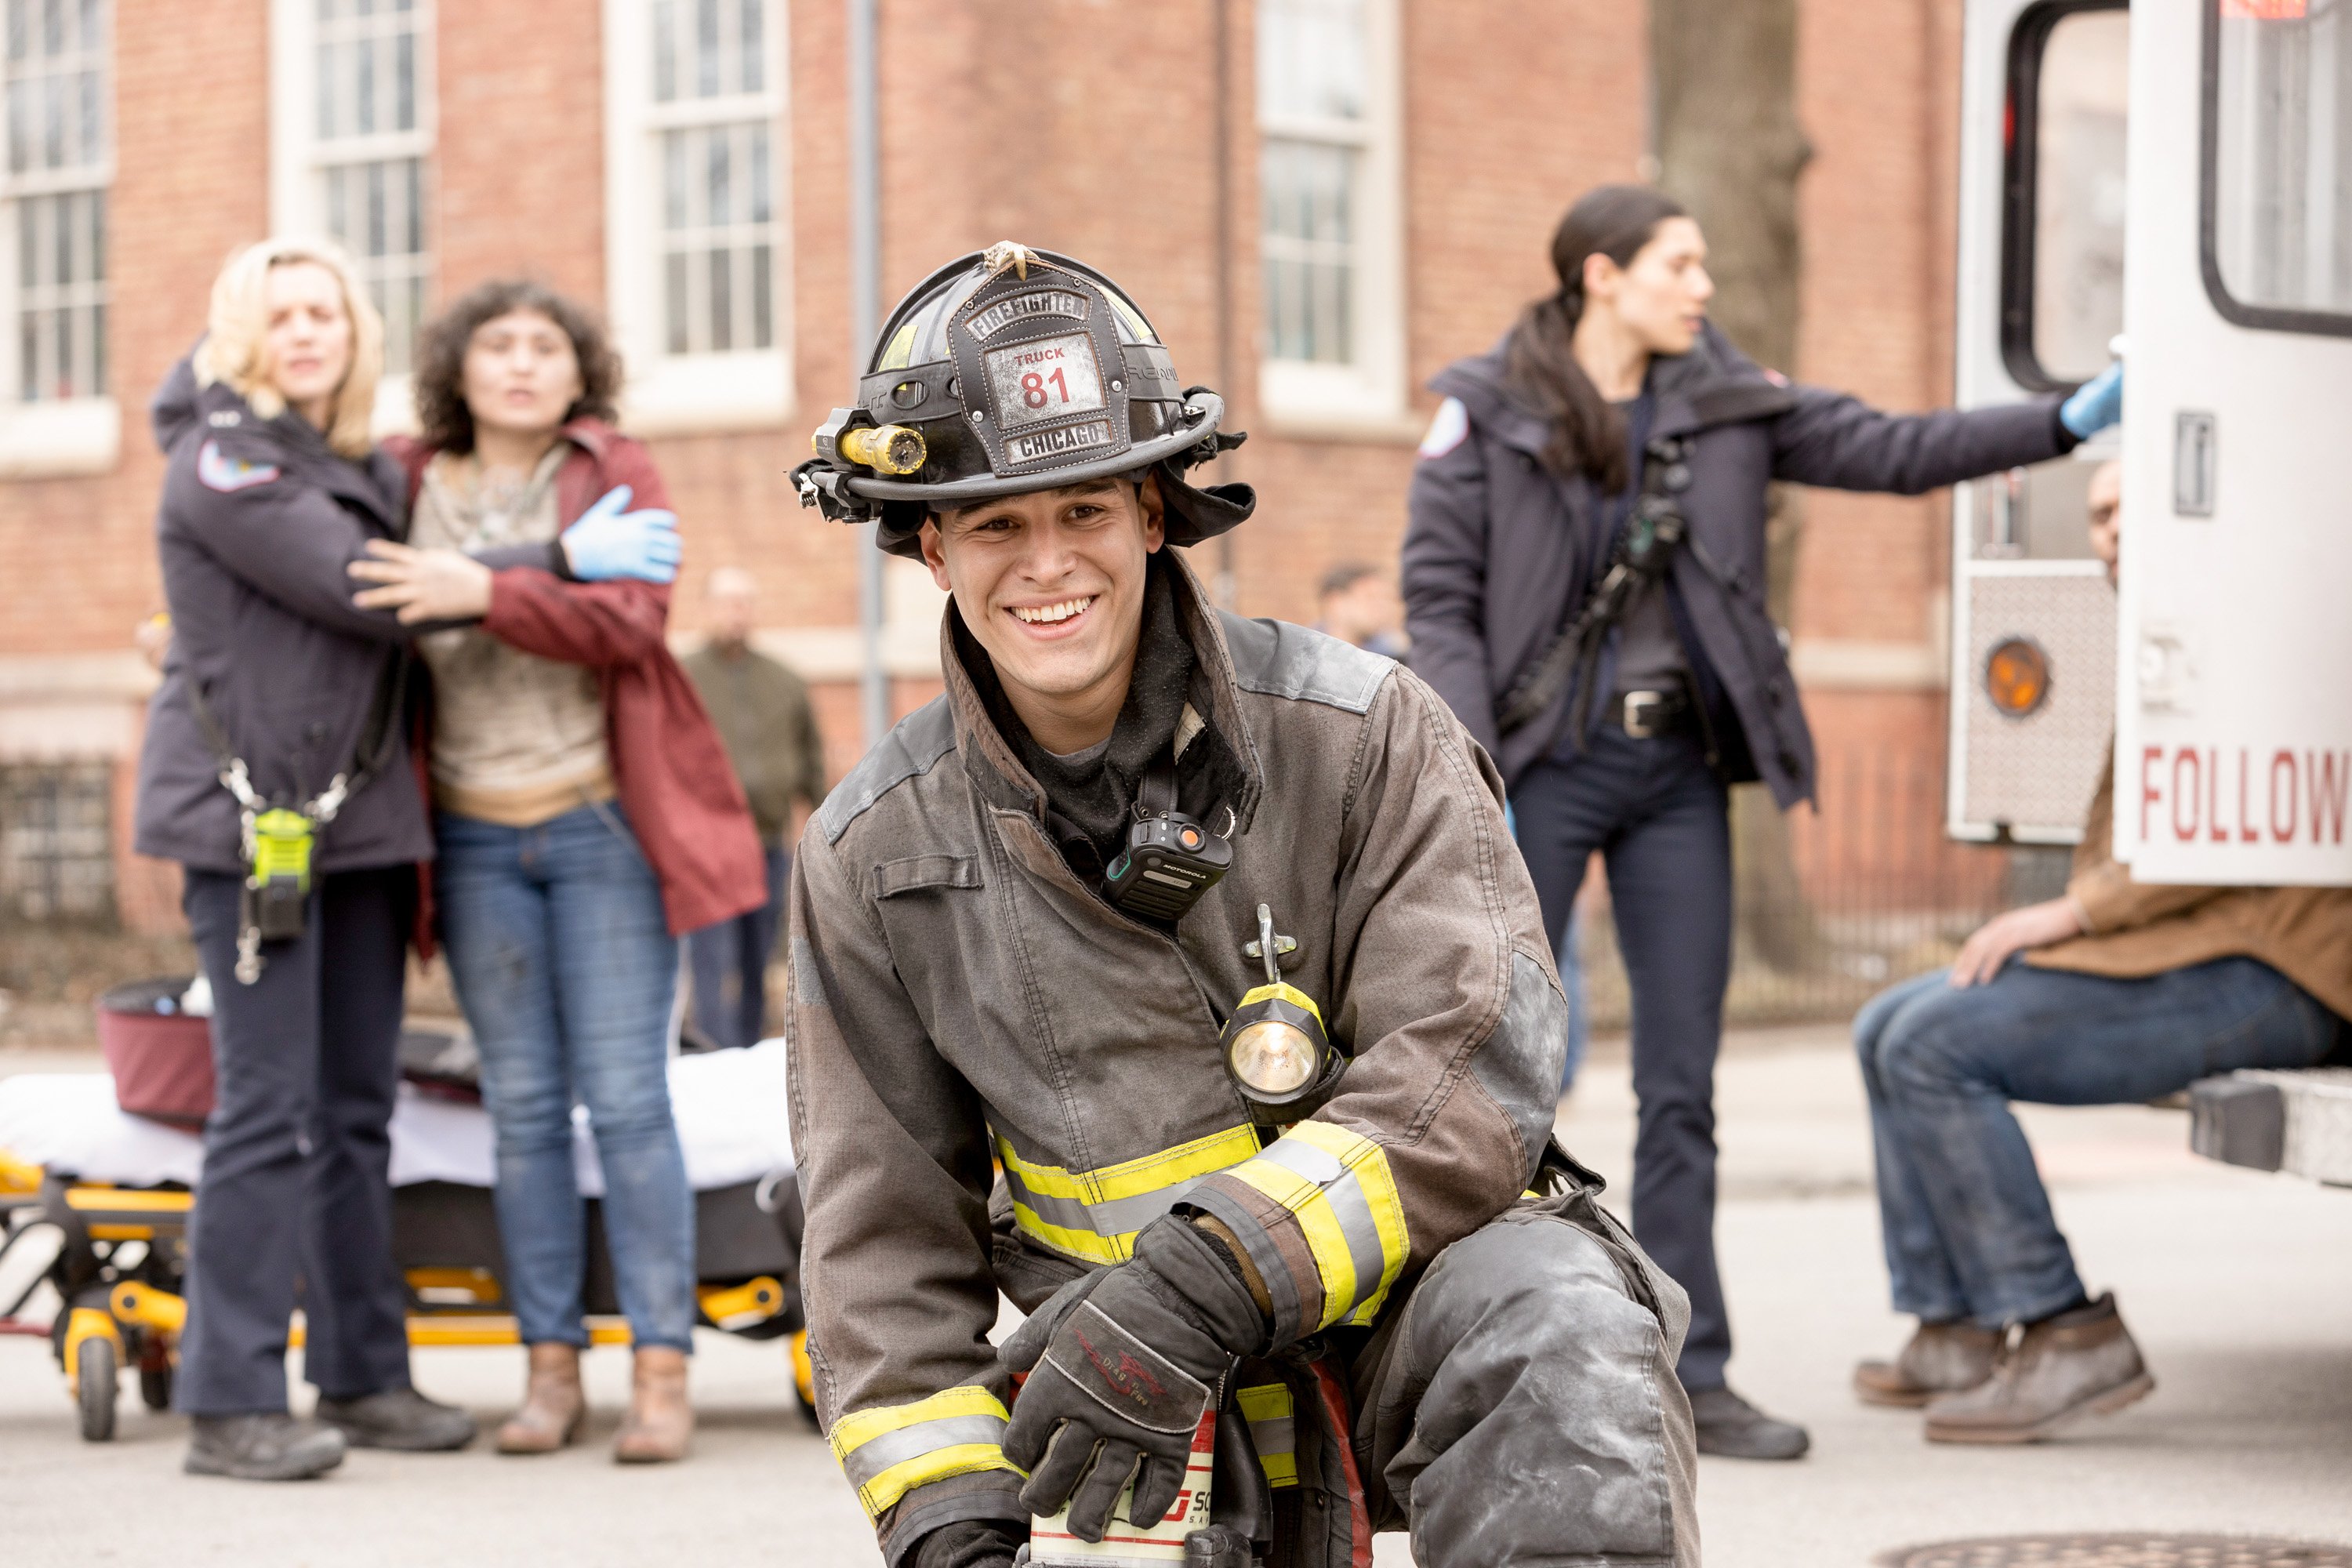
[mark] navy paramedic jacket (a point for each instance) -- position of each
(1498, 548)
(257, 522)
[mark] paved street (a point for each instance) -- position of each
(2238, 1286)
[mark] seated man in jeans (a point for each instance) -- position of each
(2127, 993)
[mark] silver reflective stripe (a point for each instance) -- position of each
(1118, 1216)
(1296, 1154)
(1277, 1435)
(878, 1454)
(1112, 1216)
(1067, 1213)
(1348, 1205)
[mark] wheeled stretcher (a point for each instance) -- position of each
(94, 1204)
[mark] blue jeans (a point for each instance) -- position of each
(566, 967)
(728, 962)
(1660, 818)
(1968, 1226)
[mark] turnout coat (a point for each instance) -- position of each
(1500, 549)
(959, 999)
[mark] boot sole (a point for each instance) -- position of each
(571, 1435)
(1896, 1399)
(208, 1465)
(354, 1437)
(2106, 1403)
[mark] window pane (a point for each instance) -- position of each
(1312, 59)
(2282, 194)
(753, 46)
(722, 299)
(716, 199)
(1308, 244)
(763, 278)
(676, 308)
(665, 20)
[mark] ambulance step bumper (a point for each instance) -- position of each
(2299, 1123)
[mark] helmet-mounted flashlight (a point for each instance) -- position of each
(1275, 1049)
(890, 450)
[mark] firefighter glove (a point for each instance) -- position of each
(1121, 1366)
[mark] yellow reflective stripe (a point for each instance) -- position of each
(1274, 1430)
(888, 1451)
(1084, 1245)
(1282, 992)
(1338, 1187)
(1095, 1215)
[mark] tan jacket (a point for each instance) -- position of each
(2136, 930)
(960, 1004)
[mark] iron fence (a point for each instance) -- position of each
(1865, 892)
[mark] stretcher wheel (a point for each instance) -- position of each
(95, 1365)
(156, 1387)
(804, 1379)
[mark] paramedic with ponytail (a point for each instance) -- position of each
(275, 771)
(1584, 583)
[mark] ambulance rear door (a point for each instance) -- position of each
(2040, 298)
(2233, 756)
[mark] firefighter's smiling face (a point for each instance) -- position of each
(1051, 584)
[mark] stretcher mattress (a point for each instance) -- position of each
(729, 1106)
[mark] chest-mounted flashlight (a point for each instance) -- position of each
(1275, 1049)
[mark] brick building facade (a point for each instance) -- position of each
(1319, 201)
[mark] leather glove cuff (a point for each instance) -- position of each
(1187, 1262)
(971, 1544)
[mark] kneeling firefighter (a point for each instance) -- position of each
(1173, 973)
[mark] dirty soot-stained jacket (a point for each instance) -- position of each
(957, 993)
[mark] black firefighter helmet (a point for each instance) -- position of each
(1012, 369)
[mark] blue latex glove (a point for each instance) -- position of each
(609, 540)
(2096, 405)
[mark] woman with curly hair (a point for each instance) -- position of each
(585, 817)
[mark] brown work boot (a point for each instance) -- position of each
(660, 1420)
(2080, 1363)
(552, 1405)
(1941, 1358)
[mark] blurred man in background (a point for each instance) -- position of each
(1359, 605)
(763, 715)
(2126, 991)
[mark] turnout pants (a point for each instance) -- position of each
(296, 1183)
(1660, 818)
(1519, 1407)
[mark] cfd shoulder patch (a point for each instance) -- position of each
(1447, 430)
(221, 472)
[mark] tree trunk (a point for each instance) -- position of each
(1729, 148)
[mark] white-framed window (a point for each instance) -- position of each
(351, 154)
(55, 412)
(1329, 228)
(696, 206)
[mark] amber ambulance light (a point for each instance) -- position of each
(2016, 677)
(886, 449)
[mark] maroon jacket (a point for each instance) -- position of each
(671, 773)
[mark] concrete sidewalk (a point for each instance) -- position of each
(2238, 1286)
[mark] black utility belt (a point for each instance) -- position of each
(1645, 715)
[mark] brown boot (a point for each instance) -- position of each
(660, 1420)
(552, 1405)
(2078, 1363)
(1942, 1358)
